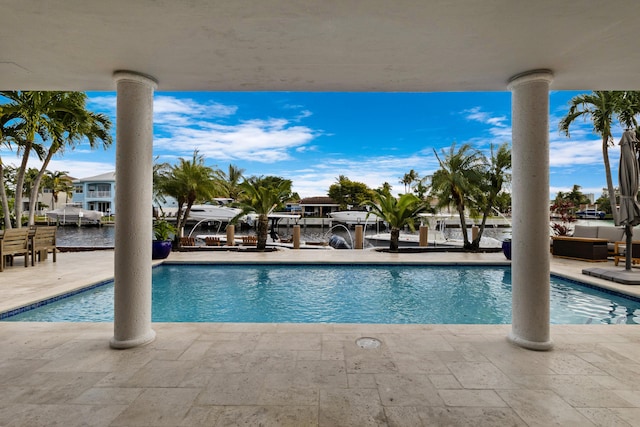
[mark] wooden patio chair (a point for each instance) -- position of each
(621, 251)
(187, 241)
(14, 242)
(43, 242)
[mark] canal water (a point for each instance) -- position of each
(101, 237)
(104, 237)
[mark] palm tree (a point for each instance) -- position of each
(29, 179)
(385, 188)
(5, 140)
(398, 213)
(262, 196)
(494, 179)
(188, 182)
(459, 176)
(11, 134)
(231, 181)
(57, 118)
(78, 125)
(408, 179)
(58, 182)
(4, 199)
(602, 107)
(160, 170)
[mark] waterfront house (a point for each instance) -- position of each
(318, 207)
(96, 193)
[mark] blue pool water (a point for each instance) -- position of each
(340, 294)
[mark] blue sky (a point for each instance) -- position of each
(312, 138)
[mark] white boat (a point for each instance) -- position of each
(215, 211)
(435, 239)
(355, 217)
(74, 215)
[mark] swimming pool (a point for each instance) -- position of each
(340, 294)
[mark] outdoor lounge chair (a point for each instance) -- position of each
(621, 251)
(187, 241)
(43, 242)
(212, 241)
(14, 242)
(250, 240)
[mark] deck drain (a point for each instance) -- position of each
(368, 343)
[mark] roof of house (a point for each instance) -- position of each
(318, 200)
(109, 176)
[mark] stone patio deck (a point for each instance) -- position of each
(306, 374)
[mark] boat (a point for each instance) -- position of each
(590, 214)
(352, 217)
(251, 218)
(217, 210)
(445, 232)
(74, 215)
(408, 240)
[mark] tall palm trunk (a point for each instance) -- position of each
(394, 243)
(612, 192)
(262, 231)
(5, 199)
(17, 208)
(463, 224)
(33, 202)
(475, 244)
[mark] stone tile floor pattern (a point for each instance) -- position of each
(307, 374)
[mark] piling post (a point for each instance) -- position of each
(231, 235)
(359, 243)
(424, 234)
(296, 236)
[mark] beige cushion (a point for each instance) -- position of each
(636, 233)
(585, 231)
(612, 234)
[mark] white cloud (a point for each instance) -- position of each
(476, 114)
(105, 103)
(305, 148)
(567, 153)
(169, 110)
(265, 141)
(498, 128)
(75, 168)
(303, 115)
(372, 171)
(81, 169)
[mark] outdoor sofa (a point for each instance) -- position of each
(591, 243)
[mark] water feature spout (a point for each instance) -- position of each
(338, 226)
(206, 220)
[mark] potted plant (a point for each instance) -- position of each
(506, 248)
(161, 245)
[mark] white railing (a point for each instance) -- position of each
(99, 194)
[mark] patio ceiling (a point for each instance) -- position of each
(328, 45)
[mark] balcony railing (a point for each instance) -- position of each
(98, 194)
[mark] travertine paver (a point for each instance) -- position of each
(306, 375)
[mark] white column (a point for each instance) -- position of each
(530, 205)
(134, 176)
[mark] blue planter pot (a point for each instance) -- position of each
(160, 249)
(506, 248)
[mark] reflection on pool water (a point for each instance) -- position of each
(340, 294)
